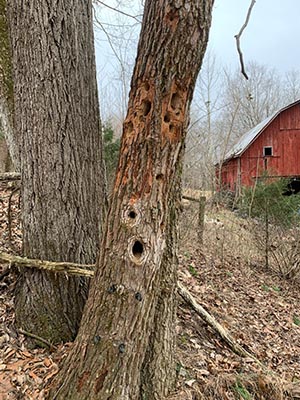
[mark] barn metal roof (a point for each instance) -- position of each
(245, 141)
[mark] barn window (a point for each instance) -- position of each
(268, 151)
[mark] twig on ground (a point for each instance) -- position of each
(33, 336)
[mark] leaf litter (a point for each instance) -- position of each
(257, 307)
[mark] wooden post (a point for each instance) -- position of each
(200, 230)
(201, 213)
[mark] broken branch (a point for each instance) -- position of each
(65, 267)
(210, 320)
(238, 37)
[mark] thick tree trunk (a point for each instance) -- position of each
(128, 296)
(6, 95)
(63, 190)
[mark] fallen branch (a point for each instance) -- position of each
(87, 270)
(65, 267)
(210, 320)
(10, 176)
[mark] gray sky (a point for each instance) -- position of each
(271, 37)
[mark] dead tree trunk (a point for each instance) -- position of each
(131, 304)
(63, 183)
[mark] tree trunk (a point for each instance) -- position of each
(6, 92)
(128, 296)
(63, 183)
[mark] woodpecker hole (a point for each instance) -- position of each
(146, 86)
(129, 127)
(172, 128)
(137, 249)
(167, 117)
(146, 107)
(159, 177)
(175, 101)
(132, 214)
(138, 296)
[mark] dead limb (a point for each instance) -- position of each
(65, 267)
(210, 320)
(238, 37)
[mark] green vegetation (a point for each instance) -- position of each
(266, 202)
(192, 270)
(241, 391)
(296, 320)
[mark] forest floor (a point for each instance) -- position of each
(227, 277)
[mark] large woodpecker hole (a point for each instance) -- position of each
(172, 128)
(167, 117)
(146, 105)
(175, 101)
(137, 249)
(132, 214)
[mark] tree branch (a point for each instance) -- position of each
(38, 338)
(65, 267)
(238, 37)
(10, 176)
(210, 320)
(120, 11)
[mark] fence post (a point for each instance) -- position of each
(200, 230)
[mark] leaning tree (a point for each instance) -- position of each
(63, 184)
(124, 346)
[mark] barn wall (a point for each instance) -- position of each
(283, 134)
(229, 175)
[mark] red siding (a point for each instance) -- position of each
(283, 134)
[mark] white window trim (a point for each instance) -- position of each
(264, 152)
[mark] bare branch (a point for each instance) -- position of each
(238, 37)
(120, 11)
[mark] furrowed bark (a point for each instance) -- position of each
(6, 93)
(63, 183)
(111, 348)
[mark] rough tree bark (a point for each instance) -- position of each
(6, 96)
(130, 309)
(63, 190)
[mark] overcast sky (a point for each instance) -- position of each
(271, 37)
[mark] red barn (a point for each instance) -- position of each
(273, 146)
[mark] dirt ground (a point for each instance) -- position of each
(227, 277)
